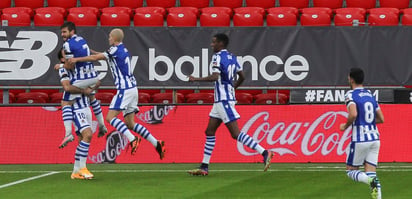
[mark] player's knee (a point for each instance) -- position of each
(87, 135)
(130, 125)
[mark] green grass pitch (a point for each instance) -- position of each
(121, 181)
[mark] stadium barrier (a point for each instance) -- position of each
(296, 133)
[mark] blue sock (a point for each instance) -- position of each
(122, 128)
(209, 146)
(248, 141)
(142, 131)
(67, 114)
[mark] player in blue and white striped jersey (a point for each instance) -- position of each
(225, 70)
(126, 98)
(364, 114)
(84, 76)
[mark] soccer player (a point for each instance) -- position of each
(84, 76)
(224, 70)
(126, 98)
(364, 114)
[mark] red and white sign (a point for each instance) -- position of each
(296, 133)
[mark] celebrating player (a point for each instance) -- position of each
(224, 70)
(364, 114)
(84, 76)
(126, 98)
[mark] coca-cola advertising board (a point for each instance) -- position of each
(296, 133)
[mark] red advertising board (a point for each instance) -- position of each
(296, 133)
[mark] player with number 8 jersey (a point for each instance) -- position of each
(364, 114)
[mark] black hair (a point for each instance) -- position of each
(357, 75)
(69, 25)
(221, 37)
(60, 54)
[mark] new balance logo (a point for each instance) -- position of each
(26, 57)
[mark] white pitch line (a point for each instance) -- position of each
(272, 169)
(27, 179)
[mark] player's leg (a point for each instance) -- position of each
(371, 162)
(82, 120)
(355, 159)
(210, 133)
(230, 119)
(67, 115)
(97, 110)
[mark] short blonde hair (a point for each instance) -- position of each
(117, 34)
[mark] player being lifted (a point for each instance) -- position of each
(126, 98)
(84, 76)
(224, 71)
(364, 114)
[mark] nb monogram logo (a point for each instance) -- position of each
(26, 57)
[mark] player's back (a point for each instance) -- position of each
(119, 61)
(228, 66)
(76, 46)
(364, 127)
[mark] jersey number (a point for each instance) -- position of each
(231, 71)
(369, 112)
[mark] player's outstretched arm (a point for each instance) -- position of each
(240, 79)
(379, 117)
(211, 78)
(90, 58)
(73, 89)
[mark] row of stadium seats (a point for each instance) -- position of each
(36, 97)
(209, 16)
(206, 3)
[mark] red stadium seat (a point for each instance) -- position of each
(332, 4)
(116, 10)
(56, 97)
(200, 98)
(47, 10)
(104, 97)
(166, 98)
(161, 3)
(400, 4)
(384, 11)
(82, 10)
(215, 19)
(62, 3)
(29, 3)
(119, 19)
(317, 10)
(407, 19)
(17, 19)
(389, 19)
(216, 10)
(83, 19)
(194, 3)
(228, 3)
(320, 19)
(348, 19)
(407, 11)
(95, 3)
(248, 16)
(48, 19)
(294, 3)
(361, 3)
(150, 91)
(5, 4)
(148, 19)
(179, 10)
(270, 98)
(244, 98)
(361, 11)
(262, 3)
(12, 97)
(16, 10)
(144, 97)
(151, 10)
(182, 17)
(32, 97)
(282, 16)
(128, 3)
